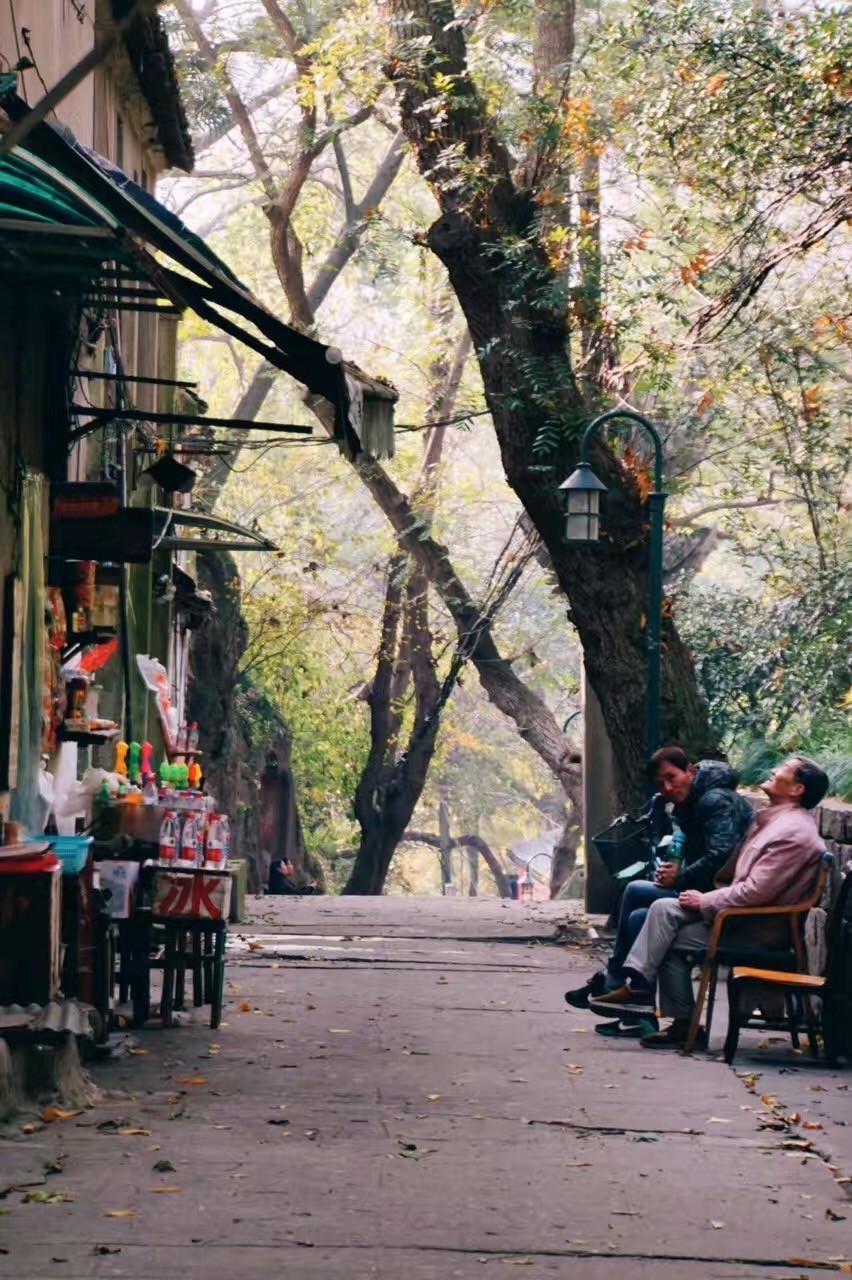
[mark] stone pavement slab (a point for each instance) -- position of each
(389, 1095)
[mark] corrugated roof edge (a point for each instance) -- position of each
(147, 43)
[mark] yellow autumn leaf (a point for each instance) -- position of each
(120, 1213)
(715, 83)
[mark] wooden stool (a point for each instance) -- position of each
(197, 945)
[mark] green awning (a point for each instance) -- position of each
(241, 538)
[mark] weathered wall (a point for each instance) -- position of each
(58, 39)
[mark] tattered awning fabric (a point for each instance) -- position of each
(64, 207)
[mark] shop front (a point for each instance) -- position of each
(115, 862)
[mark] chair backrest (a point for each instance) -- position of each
(838, 938)
(837, 993)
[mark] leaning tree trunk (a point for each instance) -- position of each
(486, 237)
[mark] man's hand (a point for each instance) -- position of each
(690, 900)
(666, 874)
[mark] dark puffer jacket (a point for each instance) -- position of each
(714, 820)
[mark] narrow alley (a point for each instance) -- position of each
(398, 1088)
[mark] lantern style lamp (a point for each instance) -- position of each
(582, 492)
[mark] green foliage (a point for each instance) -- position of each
(775, 670)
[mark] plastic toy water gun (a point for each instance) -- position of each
(120, 767)
(146, 762)
(194, 776)
(133, 758)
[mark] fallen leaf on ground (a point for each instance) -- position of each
(138, 1053)
(244, 1006)
(339, 1031)
(56, 1113)
(164, 1166)
(255, 946)
(192, 1080)
(47, 1197)
(106, 1248)
(834, 1217)
(432, 1097)
(134, 1133)
(717, 1226)
(717, 1120)
(811, 1124)
(120, 1213)
(164, 1191)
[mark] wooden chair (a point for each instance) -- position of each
(738, 951)
(833, 987)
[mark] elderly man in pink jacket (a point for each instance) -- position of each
(778, 864)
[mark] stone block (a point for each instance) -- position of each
(835, 821)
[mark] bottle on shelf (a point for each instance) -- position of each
(214, 854)
(150, 794)
(190, 842)
(192, 738)
(168, 851)
(180, 745)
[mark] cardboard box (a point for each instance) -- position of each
(199, 895)
(120, 879)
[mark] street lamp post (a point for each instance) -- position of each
(583, 490)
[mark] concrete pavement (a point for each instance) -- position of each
(399, 1088)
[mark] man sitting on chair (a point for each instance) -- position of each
(777, 866)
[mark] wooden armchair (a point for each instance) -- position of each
(833, 987)
(741, 951)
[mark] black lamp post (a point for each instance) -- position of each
(583, 490)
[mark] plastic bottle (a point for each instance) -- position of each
(214, 857)
(150, 795)
(190, 842)
(192, 738)
(226, 836)
(675, 851)
(168, 841)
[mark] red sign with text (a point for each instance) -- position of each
(200, 896)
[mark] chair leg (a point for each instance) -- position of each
(169, 975)
(197, 967)
(792, 1020)
(180, 969)
(699, 1005)
(218, 991)
(733, 1037)
(711, 1001)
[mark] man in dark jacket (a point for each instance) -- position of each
(714, 820)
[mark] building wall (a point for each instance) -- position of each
(59, 39)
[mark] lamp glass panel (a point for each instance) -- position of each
(578, 527)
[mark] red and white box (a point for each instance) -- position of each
(199, 895)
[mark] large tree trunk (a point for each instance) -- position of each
(521, 339)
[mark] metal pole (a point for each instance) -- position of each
(653, 624)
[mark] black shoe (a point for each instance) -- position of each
(626, 1030)
(674, 1037)
(596, 986)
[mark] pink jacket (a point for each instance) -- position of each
(777, 866)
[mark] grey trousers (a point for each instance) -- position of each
(660, 953)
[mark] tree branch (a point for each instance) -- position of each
(465, 842)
